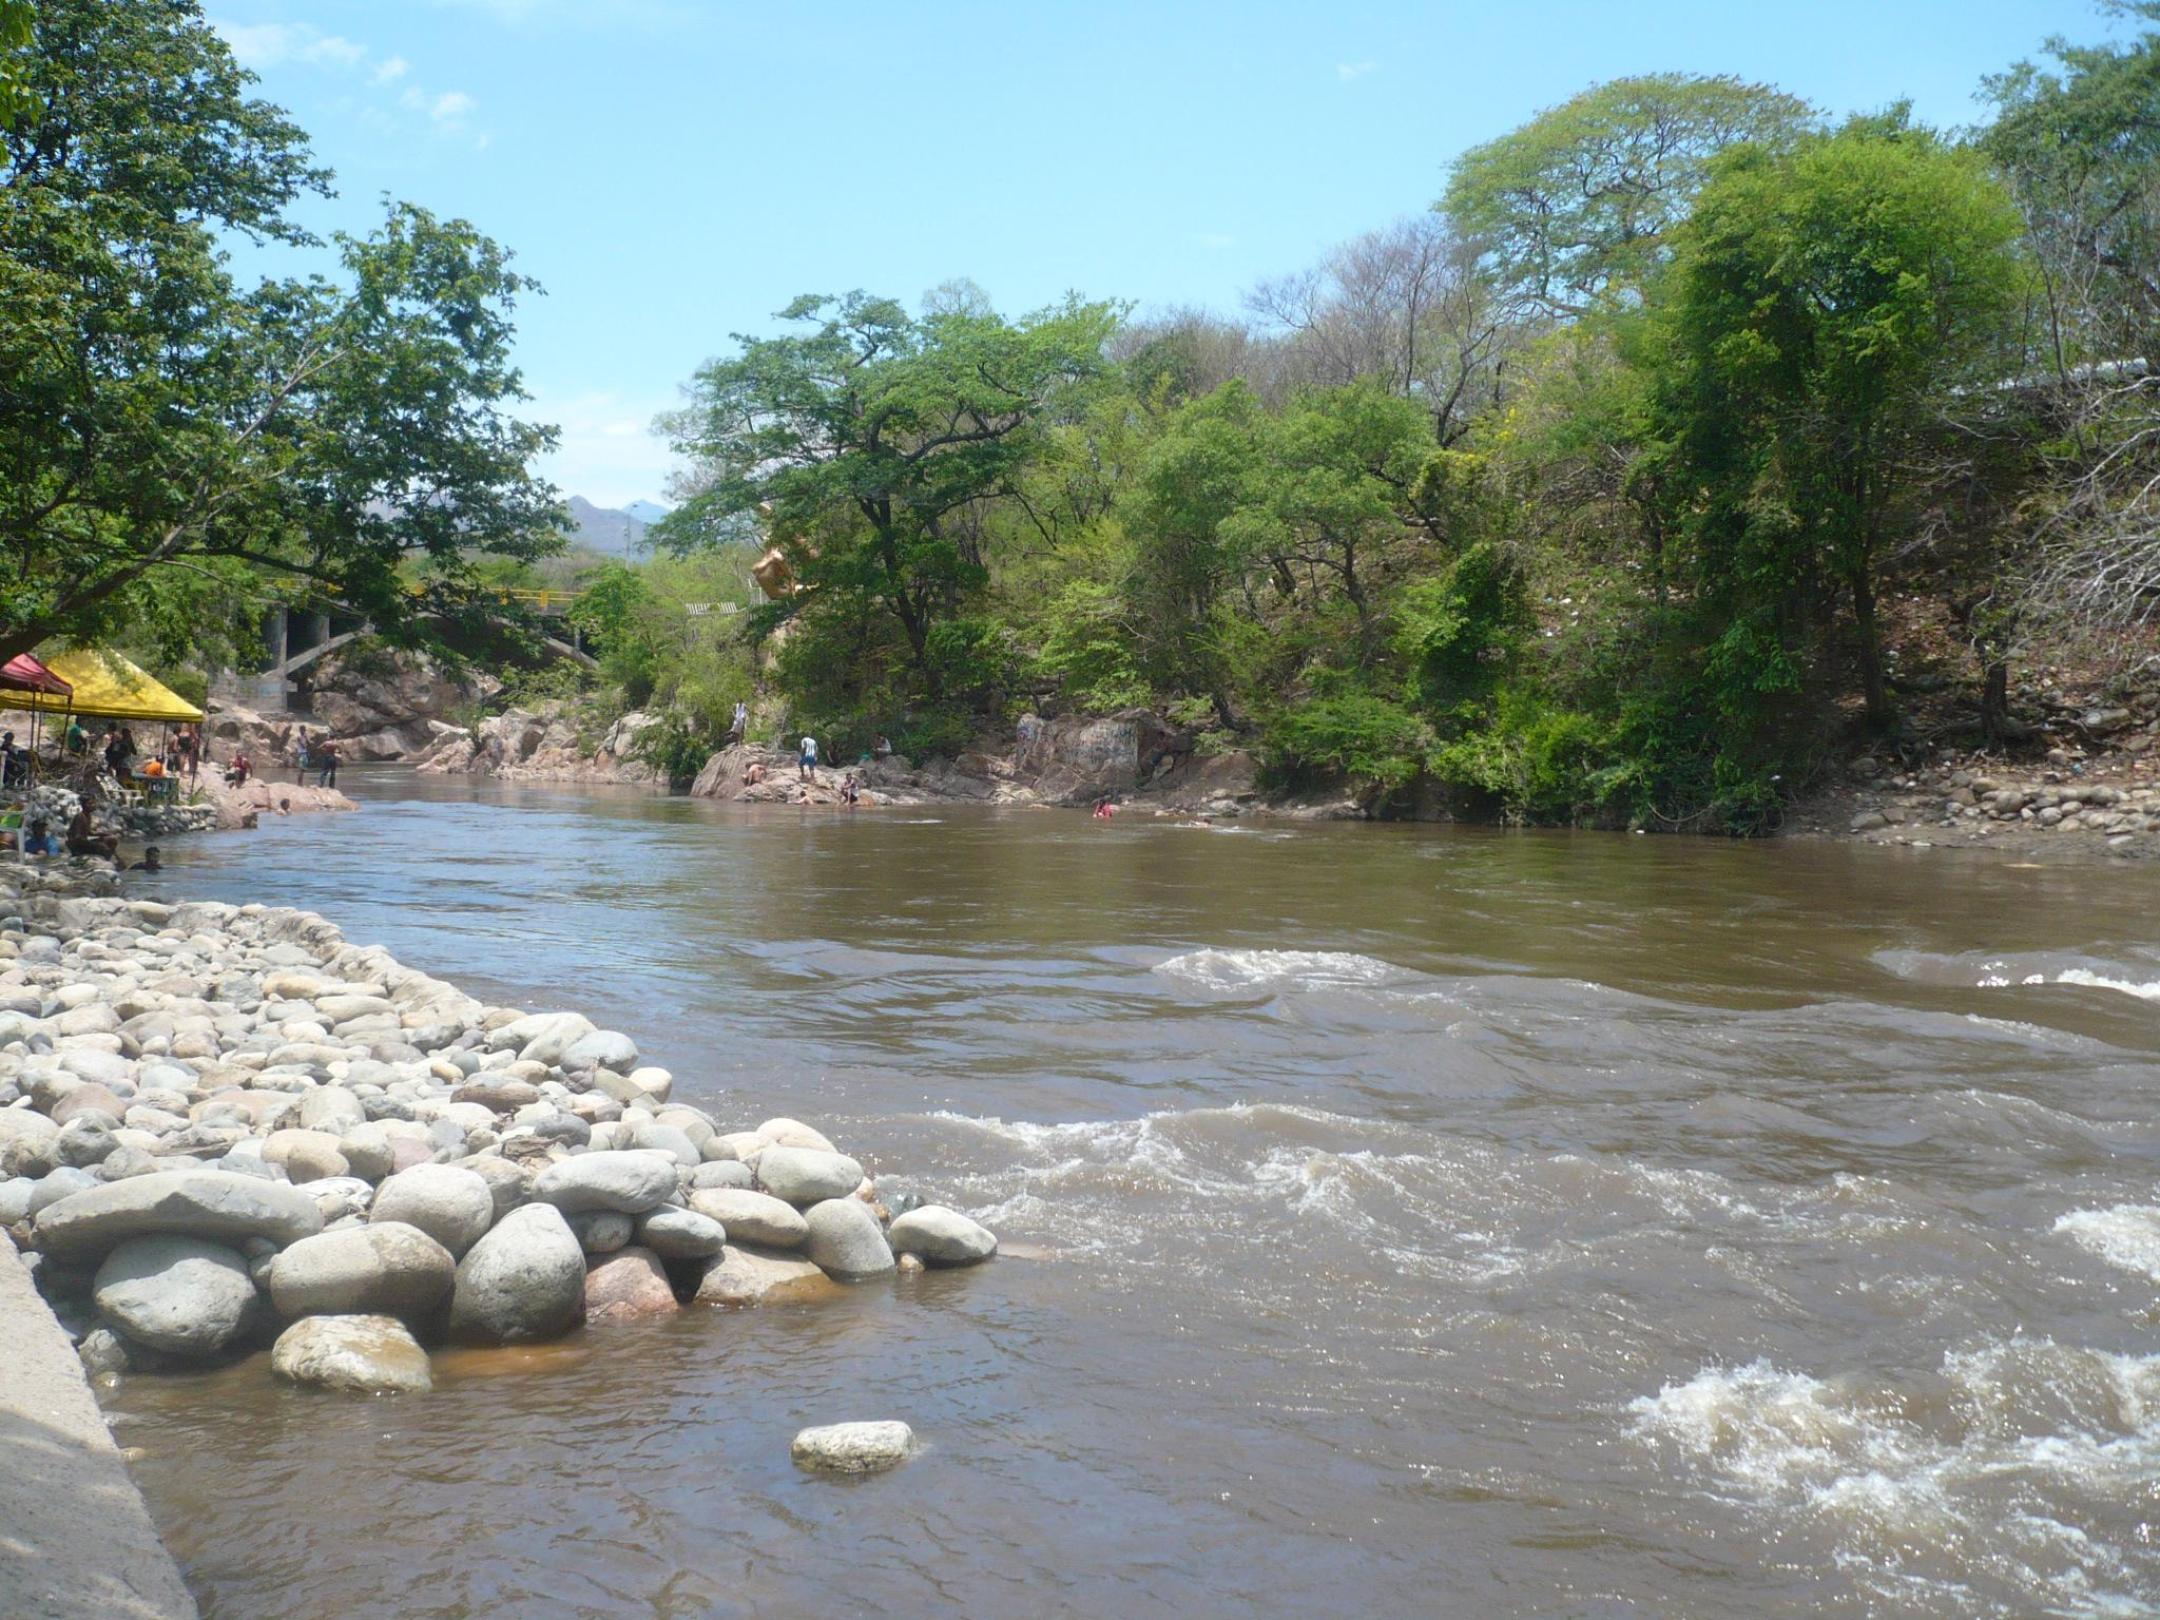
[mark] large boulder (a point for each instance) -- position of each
(853, 1448)
(360, 1355)
(27, 1142)
(845, 1239)
(384, 1269)
(807, 1176)
(600, 1049)
(525, 1280)
(450, 1203)
(628, 1182)
(207, 1204)
(750, 1277)
(753, 1217)
(628, 1283)
(541, 1037)
(182, 1295)
(941, 1237)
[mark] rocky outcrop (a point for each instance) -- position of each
(218, 1122)
(541, 744)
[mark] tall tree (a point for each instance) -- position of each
(1829, 304)
(1583, 198)
(174, 446)
(866, 437)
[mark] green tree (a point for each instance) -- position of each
(1584, 197)
(18, 27)
(173, 446)
(872, 441)
(1829, 304)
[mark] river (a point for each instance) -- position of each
(1400, 1221)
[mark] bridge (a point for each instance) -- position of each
(295, 640)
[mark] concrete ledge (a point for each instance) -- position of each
(75, 1537)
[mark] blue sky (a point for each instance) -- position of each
(675, 171)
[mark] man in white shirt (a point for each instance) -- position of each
(809, 759)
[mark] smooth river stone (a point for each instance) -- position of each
(742, 1277)
(525, 1280)
(627, 1284)
(681, 1234)
(452, 1204)
(358, 1355)
(807, 1175)
(208, 1204)
(181, 1295)
(753, 1217)
(853, 1448)
(941, 1236)
(846, 1241)
(628, 1182)
(388, 1269)
(600, 1049)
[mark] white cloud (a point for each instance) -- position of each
(1346, 71)
(450, 107)
(1216, 240)
(608, 452)
(261, 45)
(391, 68)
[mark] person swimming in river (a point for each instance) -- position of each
(83, 838)
(284, 807)
(1104, 809)
(149, 861)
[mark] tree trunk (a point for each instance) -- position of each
(1995, 699)
(1872, 686)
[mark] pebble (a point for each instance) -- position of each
(853, 1448)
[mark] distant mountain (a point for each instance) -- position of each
(611, 532)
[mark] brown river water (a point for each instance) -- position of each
(1401, 1221)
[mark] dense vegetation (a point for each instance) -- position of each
(1599, 492)
(1614, 486)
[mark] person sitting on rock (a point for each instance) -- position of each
(149, 861)
(754, 775)
(850, 794)
(882, 748)
(77, 739)
(39, 839)
(237, 772)
(14, 762)
(83, 838)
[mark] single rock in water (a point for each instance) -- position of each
(628, 1182)
(681, 1234)
(753, 1217)
(750, 1277)
(385, 1269)
(807, 1175)
(853, 1448)
(178, 1294)
(525, 1280)
(361, 1355)
(845, 1239)
(195, 1203)
(627, 1284)
(450, 1203)
(943, 1237)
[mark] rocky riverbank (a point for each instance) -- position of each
(224, 1129)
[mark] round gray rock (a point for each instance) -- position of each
(601, 1231)
(451, 1204)
(383, 1269)
(182, 1295)
(753, 1217)
(941, 1236)
(805, 1176)
(682, 1234)
(525, 1280)
(845, 1239)
(628, 1182)
(361, 1355)
(192, 1203)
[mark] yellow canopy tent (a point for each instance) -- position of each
(107, 687)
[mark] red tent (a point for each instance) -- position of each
(26, 674)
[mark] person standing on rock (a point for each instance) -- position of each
(302, 757)
(739, 726)
(326, 757)
(809, 760)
